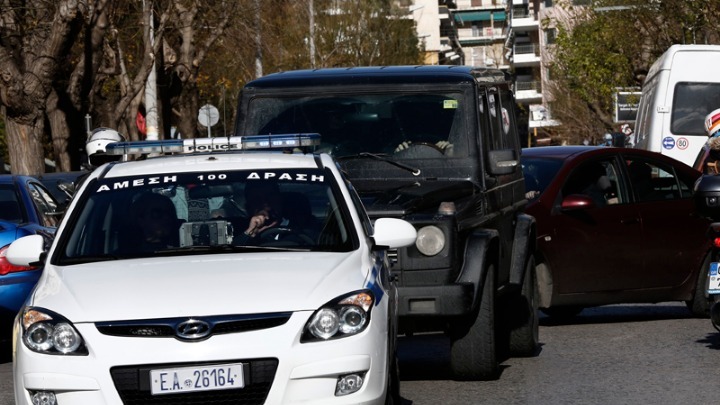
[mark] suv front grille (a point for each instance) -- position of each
(392, 255)
(133, 385)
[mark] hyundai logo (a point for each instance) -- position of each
(192, 329)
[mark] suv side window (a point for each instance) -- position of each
(494, 116)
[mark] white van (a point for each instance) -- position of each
(681, 88)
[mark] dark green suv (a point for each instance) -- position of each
(437, 146)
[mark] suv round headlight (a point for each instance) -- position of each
(430, 240)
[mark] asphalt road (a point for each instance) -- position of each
(626, 354)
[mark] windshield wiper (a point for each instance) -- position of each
(226, 248)
(413, 170)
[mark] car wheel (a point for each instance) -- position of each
(473, 354)
(562, 313)
(524, 333)
(699, 306)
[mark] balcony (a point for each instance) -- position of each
(523, 21)
(527, 92)
(526, 55)
(475, 36)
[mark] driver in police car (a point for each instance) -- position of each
(263, 203)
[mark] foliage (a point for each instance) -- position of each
(611, 45)
(105, 55)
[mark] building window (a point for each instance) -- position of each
(550, 35)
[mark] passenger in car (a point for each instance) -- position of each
(592, 181)
(642, 182)
(155, 218)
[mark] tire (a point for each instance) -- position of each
(473, 354)
(699, 306)
(524, 326)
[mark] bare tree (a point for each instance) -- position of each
(35, 36)
(196, 26)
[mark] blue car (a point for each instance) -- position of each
(26, 208)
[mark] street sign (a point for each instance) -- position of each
(208, 115)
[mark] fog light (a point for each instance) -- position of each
(44, 398)
(347, 384)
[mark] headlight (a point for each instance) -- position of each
(344, 316)
(430, 240)
(49, 333)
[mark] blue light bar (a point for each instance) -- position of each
(220, 144)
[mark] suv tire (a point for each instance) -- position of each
(524, 336)
(473, 355)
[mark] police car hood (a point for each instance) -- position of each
(221, 284)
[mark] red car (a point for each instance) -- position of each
(615, 225)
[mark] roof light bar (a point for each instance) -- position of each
(219, 144)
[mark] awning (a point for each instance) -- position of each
(473, 16)
(480, 16)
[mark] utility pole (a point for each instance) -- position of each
(151, 116)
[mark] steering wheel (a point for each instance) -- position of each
(420, 150)
(281, 234)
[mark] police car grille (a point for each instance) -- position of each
(133, 385)
(219, 325)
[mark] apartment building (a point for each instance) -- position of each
(504, 34)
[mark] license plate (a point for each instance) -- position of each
(189, 379)
(714, 280)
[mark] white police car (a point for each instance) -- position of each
(272, 285)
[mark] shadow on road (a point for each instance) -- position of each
(621, 314)
(424, 357)
(5, 351)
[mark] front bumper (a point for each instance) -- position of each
(442, 300)
(281, 369)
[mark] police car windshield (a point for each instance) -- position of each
(201, 213)
(380, 123)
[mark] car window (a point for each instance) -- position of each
(597, 179)
(10, 208)
(45, 205)
(190, 213)
(692, 101)
(539, 173)
(368, 122)
(653, 181)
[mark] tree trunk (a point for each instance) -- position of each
(187, 105)
(60, 134)
(24, 143)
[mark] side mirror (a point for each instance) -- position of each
(394, 233)
(26, 251)
(503, 161)
(576, 202)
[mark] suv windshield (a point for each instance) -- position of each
(431, 124)
(195, 213)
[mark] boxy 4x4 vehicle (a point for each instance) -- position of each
(438, 147)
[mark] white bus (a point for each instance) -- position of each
(681, 88)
